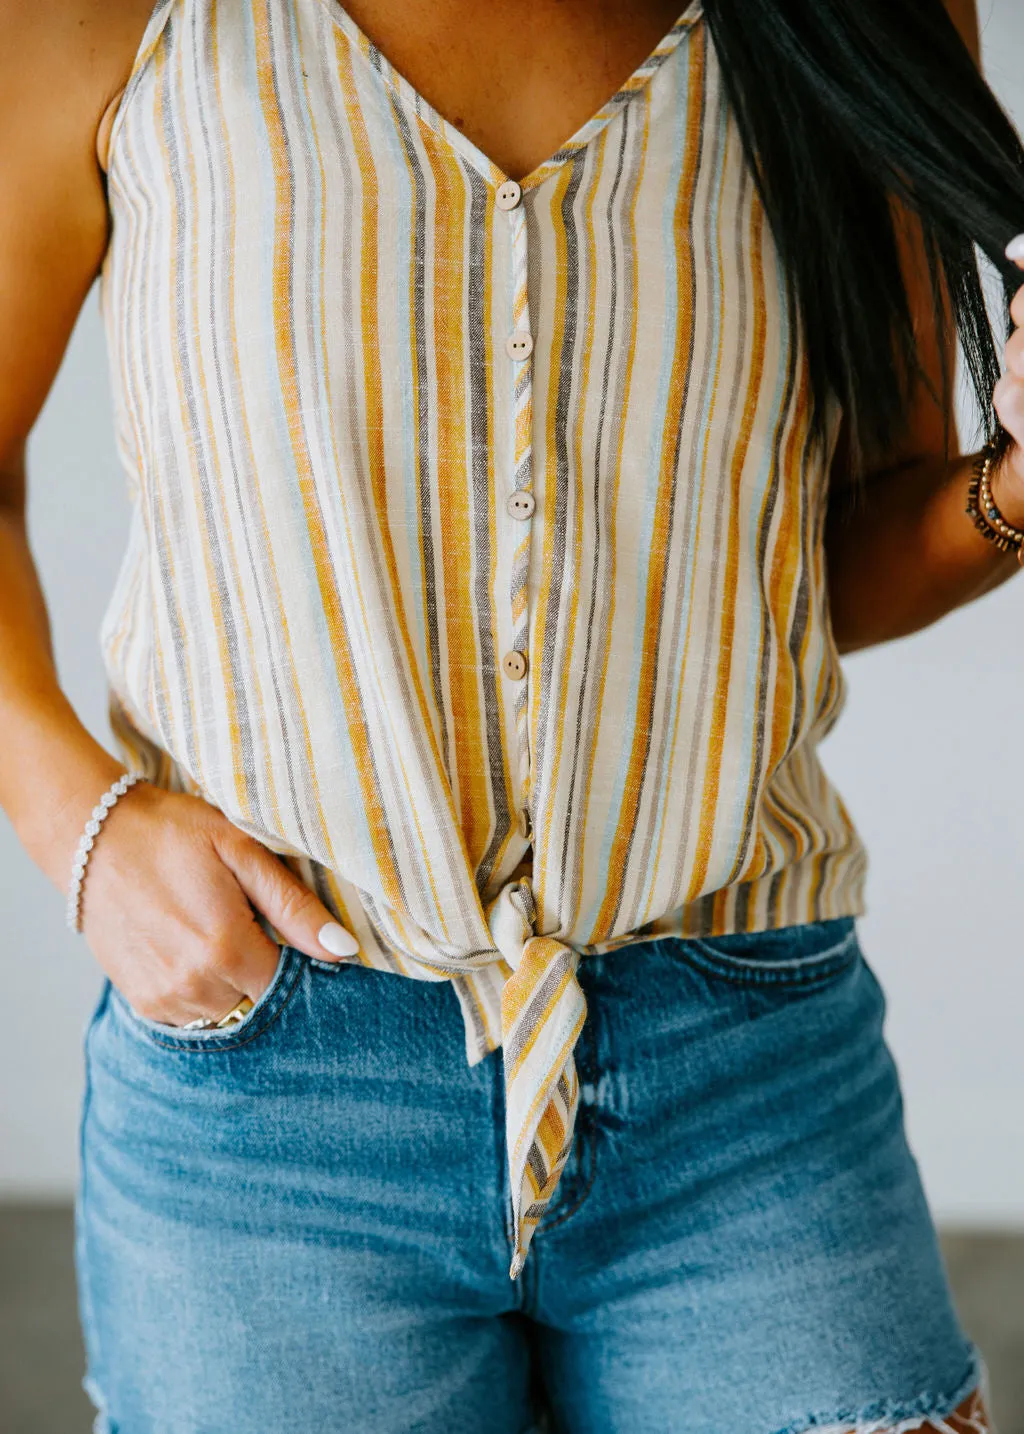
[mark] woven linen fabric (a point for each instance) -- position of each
(475, 564)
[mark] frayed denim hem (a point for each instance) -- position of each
(102, 1423)
(904, 1418)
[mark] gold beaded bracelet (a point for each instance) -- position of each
(982, 507)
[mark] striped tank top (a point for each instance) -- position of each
(475, 565)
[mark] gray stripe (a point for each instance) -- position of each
(519, 577)
(535, 1160)
(526, 1024)
(421, 398)
(471, 1009)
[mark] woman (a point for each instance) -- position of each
(476, 627)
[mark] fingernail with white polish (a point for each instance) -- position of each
(1015, 248)
(337, 940)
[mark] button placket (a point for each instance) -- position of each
(520, 503)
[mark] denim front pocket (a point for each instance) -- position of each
(804, 955)
(266, 1010)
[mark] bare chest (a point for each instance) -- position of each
(516, 78)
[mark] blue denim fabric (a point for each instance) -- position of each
(303, 1225)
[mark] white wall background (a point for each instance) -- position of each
(928, 755)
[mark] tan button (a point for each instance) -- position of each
(520, 344)
(514, 665)
(508, 195)
(521, 504)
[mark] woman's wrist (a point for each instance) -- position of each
(1007, 484)
(53, 773)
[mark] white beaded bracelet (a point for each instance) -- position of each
(92, 826)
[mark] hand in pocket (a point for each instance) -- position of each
(166, 908)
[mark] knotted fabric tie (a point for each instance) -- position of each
(542, 1013)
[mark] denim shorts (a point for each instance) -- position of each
(303, 1226)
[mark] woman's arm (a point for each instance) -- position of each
(59, 65)
(166, 901)
(907, 554)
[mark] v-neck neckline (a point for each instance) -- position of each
(470, 151)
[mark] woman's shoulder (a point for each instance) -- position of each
(63, 64)
(964, 14)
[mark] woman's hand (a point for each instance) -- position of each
(165, 908)
(1008, 400)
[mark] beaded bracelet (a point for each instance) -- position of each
(982, 506)
(85, 845)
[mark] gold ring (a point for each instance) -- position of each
(237, 1013)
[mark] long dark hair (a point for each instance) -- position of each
(842, 105)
